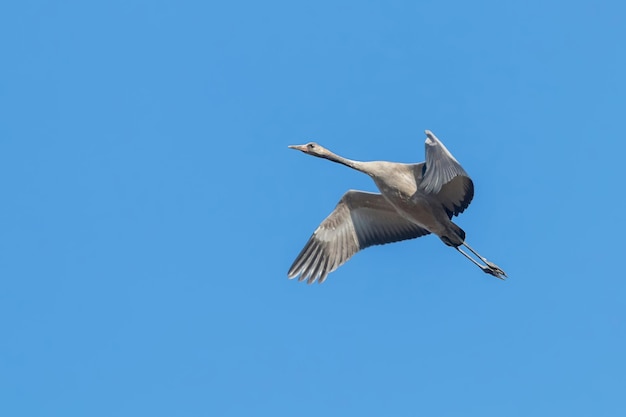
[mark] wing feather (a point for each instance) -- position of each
(359, 220)
(445, 178)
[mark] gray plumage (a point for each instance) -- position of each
(415, 200)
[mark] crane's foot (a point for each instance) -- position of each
(493, 269)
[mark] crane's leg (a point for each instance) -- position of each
(490, 268)
(491, 265)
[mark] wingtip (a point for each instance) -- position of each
(431, 139)
(292, 273)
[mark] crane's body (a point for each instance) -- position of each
(399, 185)
(414, 200)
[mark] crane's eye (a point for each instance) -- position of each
(311, 146)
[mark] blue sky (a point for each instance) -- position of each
(151, 208)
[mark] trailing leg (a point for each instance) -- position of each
(489, 267)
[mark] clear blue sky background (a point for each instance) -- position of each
(150, 208)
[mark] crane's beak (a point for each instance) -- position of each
(297, 147)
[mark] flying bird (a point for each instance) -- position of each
(414, 200)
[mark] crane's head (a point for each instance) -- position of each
(312, 148)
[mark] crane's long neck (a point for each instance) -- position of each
(358, 165)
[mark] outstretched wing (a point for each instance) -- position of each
(445, 178)
(360, 220)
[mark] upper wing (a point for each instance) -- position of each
(360, 220)
(445, 177)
